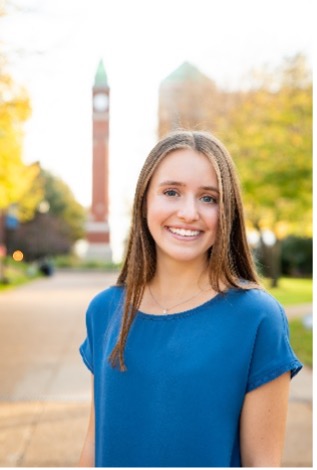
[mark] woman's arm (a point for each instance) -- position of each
(87, 458)
(263, 424)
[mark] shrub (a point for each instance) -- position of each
(296, 256)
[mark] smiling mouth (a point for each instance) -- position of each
(184, 232)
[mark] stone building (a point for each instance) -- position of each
(191, 100)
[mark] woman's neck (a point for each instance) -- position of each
(173, 277)
(177, 287)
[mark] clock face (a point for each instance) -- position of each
(100, 102)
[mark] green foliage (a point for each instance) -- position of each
(57, 224)
(16, 178)
(297, 256)
(302, 341)
(63, 205)
(17, 274)
(291, 291)
(72, 261)
(270, 137)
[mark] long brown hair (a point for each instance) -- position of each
(230, 260)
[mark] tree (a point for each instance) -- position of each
(270, 136)
(57, 224)
(16, 178)
(63, 205)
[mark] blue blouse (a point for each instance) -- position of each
(179, 402)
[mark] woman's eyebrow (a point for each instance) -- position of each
(171, 183)
(210, 188)
(178, 183)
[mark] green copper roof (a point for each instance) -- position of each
(101, 76)
(184, 72)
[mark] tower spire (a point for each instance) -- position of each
(101, 79)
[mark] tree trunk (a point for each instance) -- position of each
(276, 263)
(270, 257)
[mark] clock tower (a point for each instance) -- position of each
(97, 229)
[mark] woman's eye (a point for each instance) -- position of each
(171, 193)
(209, 199)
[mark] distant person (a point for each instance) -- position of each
(46, 267)
(190, 356)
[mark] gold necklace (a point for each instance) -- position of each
(165, 309)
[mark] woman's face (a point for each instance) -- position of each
(182, 206)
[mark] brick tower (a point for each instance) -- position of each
(98, 234)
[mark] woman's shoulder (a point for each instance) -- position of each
(257, 301)
(107, 295)
(256, 294)
(106, 300)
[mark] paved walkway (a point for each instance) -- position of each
(44, 388)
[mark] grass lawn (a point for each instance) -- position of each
(302, 341)
(291, 291)
(18, 274)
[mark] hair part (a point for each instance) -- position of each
(230, 261)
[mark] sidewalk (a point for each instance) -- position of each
(50, 432)
(299, 311)
(298, 446)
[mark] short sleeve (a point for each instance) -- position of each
(85, 351)
(106, 305)
(272, 353)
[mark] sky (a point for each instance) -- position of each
(55, 46)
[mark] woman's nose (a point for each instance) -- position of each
(188, 210)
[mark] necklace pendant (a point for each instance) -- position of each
(165, 311)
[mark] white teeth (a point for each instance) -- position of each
(184, 233)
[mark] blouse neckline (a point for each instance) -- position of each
(185, 313)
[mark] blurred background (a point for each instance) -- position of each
(242, 70)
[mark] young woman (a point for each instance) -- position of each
(190, 357)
